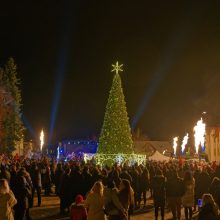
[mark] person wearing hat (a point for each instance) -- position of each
(77, 209)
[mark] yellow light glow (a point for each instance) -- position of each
(117, 68)
(175, 144)
(41, 139)
(199, 135)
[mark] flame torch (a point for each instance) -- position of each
(41, 139)
(175, 145)
(184, 142)
(199, 135)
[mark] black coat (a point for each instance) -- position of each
(22, 192)
(87, 183)
(200, 189)
(174, 187)
(206, 213)
(144, 182)
(159, 190)
(58, 176)
(36, 177)
(76, 181)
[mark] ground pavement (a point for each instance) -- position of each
(49, 210)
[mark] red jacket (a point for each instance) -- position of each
(78, 212)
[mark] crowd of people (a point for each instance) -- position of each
(89, 191)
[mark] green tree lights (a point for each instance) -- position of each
(115, 135)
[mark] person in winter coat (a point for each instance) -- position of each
(57, 178)
(30, 194)
(205, 179)
(46, 179)
(22, 194)
(136, 186)
(77, 210)
(215, 190)
(36, 181)
(196, 175)
(188, 197)
(126, 197)
(87, 181)
(209, 210)
(159, 193)
(113, 207)
(7, 201)
(13, 173)
(125, 175)
(144, 185)
(174, 192)
(64, 191)
(76, 179)
(95, 202)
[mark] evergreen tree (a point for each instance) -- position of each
(11, 122)
(115, 135)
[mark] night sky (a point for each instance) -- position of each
(64, 51)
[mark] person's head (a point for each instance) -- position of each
(173, 173)
(98, 188)
(159, 172)
(215, 181)
(125, 185)
(67, 171)
(59, 166)
(22, 172)
(4, 187)
(110, 184)
(79, 199)
(207, 199)
(125, 189)
(188, 176)
(33, 165)
(13, 168)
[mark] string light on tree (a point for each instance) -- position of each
(115, 135)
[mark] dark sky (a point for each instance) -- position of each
(170, 51)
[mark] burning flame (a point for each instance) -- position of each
(184, 142)
(199, 135)
(175, 144)
(41, 139)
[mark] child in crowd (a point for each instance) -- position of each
(77, 209)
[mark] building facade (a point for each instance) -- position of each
(212, 145)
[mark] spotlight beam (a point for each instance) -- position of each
(170, 55)
(60, 73)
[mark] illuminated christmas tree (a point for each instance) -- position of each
(115, 135)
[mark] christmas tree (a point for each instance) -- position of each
(10, 118)
(115, 135)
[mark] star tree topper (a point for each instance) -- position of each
(117, 68)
